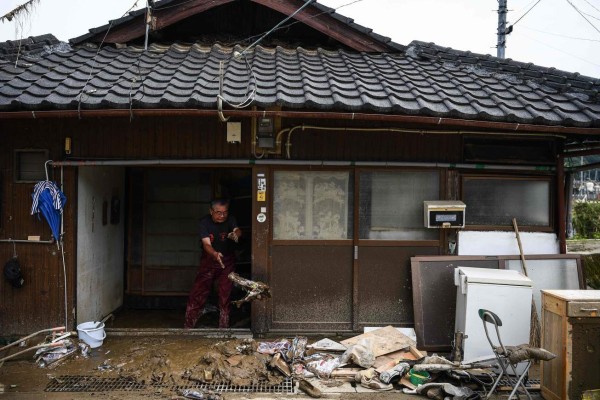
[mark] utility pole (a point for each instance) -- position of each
(502, 11)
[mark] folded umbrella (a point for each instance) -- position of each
(49, 200)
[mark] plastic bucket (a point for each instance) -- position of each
(92, 333)
(418, 378)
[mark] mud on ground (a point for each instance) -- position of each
(162, 361)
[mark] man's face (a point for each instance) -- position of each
(219, 213)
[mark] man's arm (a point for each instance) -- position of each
(207, 247)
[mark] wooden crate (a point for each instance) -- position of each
(571, 330)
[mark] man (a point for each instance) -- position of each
(219, 233)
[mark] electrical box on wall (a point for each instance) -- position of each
(266, 133)
(234, 132)
(444, 214)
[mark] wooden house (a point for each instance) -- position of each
(327, 137)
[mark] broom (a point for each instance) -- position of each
(535, 327)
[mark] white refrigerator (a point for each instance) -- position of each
(506, 293)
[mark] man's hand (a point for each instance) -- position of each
(233, 236)
(219, 257)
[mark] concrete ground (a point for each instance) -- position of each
(143, 358)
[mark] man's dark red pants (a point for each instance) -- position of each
(210, 271)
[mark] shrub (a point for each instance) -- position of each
(586, 220)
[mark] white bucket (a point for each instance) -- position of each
(92, 333)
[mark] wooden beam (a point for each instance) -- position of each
(136, 28)
(326, 24)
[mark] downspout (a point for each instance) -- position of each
(562, 219)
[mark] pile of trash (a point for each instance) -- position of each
(382, 359)
(55, 346)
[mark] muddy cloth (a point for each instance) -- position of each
(524, 352)
(360, 354)
(210, 271)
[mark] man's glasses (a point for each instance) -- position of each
(220, 213)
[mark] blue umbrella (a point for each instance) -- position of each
(49, 200)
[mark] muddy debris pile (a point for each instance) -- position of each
(235, 362)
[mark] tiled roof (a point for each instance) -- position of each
(425, 80)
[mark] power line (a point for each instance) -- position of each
(311, 17)
(560, 51)
(558, 34)
(583, 16)
(591, 16)
(593, 6)
(278, 25)
(526, 12)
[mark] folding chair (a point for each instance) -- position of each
(502, 354)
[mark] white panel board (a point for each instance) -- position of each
(495, 243)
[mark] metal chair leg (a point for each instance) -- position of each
(503, 372)
(520, 383)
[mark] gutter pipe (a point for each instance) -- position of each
(320, 163)
(438, 121)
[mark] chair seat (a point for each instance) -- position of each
(524, 352)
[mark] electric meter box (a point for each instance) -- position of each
(444, 214)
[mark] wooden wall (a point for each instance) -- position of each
(39, 304)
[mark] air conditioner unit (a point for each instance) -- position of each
(444, 214)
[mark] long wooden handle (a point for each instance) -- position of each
(523, 264)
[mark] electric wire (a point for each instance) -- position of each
(306, 4)
(250, 94)
(309, 18)
(583, 16)
(591, 5)
(560, 35)
(526, 12)
(81, 92)
(591, 16)
(560, 50)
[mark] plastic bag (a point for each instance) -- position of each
(273, 347)
(360, 354)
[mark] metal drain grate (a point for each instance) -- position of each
(509, 381)
(287, 386)
(68, 383)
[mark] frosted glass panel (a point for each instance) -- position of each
(391, 204)
(312, 205)
(498, 201)
(548, 274)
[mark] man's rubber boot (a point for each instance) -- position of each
(223, 320)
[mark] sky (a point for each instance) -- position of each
(564, 34)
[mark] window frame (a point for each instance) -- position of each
(351, 195)
(400, 242)
(551, 227)
(17, 165)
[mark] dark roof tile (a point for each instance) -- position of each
(417, 82)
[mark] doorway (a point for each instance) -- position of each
(162, 243)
